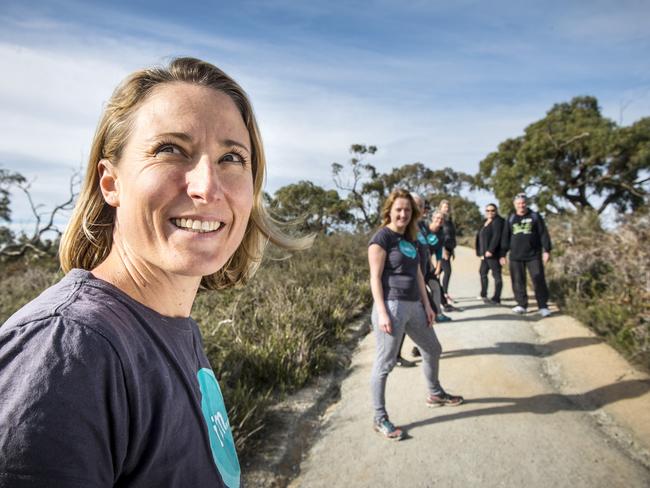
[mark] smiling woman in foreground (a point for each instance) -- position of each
(103, 379)
(401, 306)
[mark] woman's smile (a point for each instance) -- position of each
(197, 225)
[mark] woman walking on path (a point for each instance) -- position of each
(429, 249)
(400, 306)
(435, 238)
(104, 381)
(448, 246)
(488, 248)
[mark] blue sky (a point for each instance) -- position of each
(442, 83)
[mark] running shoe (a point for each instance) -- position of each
(404, 363)
(494, 301)
(451, 308)
(544, 312)
(444, 399)
(415, 352)
(441, 317)
(519, 310)
(386, 428)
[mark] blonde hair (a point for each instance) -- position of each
(88, 238)
(411, 228)
(442, 202)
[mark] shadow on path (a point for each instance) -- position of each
(526, 348)
(545, 404)
(496, 317)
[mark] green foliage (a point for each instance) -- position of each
(352, 181)
(466, 214)
(7, 180)
(274, 335)
(573, 156)
(601, 278)
(310, 208)
(367, 188)
(264, 340)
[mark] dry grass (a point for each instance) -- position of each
(603, 278)
(266, 339)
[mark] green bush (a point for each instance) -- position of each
(602, 277)
(272, 336)
(266, 339)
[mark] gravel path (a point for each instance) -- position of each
(548, 404)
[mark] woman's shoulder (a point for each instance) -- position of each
(80, 307)
(43, 335)
(49, 303)
(383, 237)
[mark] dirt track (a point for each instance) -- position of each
(548, 404)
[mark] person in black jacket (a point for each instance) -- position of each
(526, 237)
(488, 248)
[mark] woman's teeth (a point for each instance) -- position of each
(197, 225)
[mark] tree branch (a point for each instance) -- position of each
(35, 243)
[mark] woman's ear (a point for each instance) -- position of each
(108, 182)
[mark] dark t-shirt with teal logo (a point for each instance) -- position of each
(99, 390)
(399, 278)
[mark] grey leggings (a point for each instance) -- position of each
(409, 318)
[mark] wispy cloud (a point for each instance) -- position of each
(438, 83)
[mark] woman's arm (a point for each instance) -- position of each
(424, 296)
(376, 260)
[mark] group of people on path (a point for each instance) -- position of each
(410, 268)
(525, 236)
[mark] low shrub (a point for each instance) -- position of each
(272, 336)
(266, 339)
(602, 277)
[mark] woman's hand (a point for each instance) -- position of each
(384, 323)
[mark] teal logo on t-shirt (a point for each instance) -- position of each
(421, 238)
(432, 239)
(216, 418)
(408, 249)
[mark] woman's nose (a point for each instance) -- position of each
(203, 181)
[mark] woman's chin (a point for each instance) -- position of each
(196, 267)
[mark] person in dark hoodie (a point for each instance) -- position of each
(488, 248)
(526, 238)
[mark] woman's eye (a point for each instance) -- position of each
(168, 148)
(233, 158)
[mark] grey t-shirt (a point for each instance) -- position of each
(399, 278)
(98, 390)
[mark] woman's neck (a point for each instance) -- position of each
(394, 228)
(168, 294)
